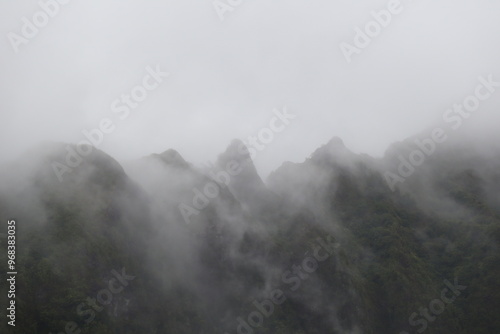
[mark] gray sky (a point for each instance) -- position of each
(226, 77)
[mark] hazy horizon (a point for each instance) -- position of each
(226, 77)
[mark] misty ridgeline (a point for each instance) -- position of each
(334, 244)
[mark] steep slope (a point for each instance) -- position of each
(325, 247)
(412, 246)
(244, 181)
(73, 236)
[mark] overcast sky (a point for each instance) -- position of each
(227, 77)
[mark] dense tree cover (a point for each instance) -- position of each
(387, 253)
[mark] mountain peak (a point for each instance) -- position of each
(334, 147)
(237, 151)
(246, 185)
(173, 158)
(334, 152)
(336, 142)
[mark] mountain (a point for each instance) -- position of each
(339, 243)
(72, 236)
(244, 181)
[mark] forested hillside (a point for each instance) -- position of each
(157, 245)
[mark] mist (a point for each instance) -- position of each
(227, 76)
(245, 167)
